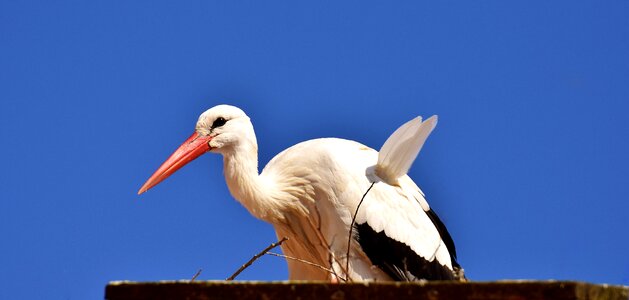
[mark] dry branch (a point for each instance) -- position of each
(331, 271)
(196, 275)
(351, 228)
(255, 257)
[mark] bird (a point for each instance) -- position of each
(350, 212)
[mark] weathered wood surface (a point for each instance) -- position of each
(511, 290)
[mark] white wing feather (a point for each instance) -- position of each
(337, 168)
(400, 150)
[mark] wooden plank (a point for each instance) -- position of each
(511, 290)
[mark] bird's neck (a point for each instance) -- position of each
(246, 185)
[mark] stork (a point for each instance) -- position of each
(343, 205)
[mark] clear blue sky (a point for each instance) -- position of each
(528, 166)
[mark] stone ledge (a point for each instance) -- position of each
(512, 290)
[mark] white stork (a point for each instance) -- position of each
(310, 193)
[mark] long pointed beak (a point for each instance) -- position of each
(192, 148)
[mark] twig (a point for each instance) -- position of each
(330, 257)
(331, 271)
(196, 275)
(333, 259)
(243, 267)
(351, 228)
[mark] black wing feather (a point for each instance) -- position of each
(445, 236)
(397, 259)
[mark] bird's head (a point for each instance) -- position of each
(221, 129)
(225, 127)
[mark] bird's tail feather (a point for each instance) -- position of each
(400, 150)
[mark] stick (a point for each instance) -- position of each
(351, 228)
(255, 257)
(330, 257)
(331, 271)
(196, 275)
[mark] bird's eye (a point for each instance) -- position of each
(220, 121)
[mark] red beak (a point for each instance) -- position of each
(192, 148)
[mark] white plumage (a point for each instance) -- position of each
(400, 150)
(310, 191)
